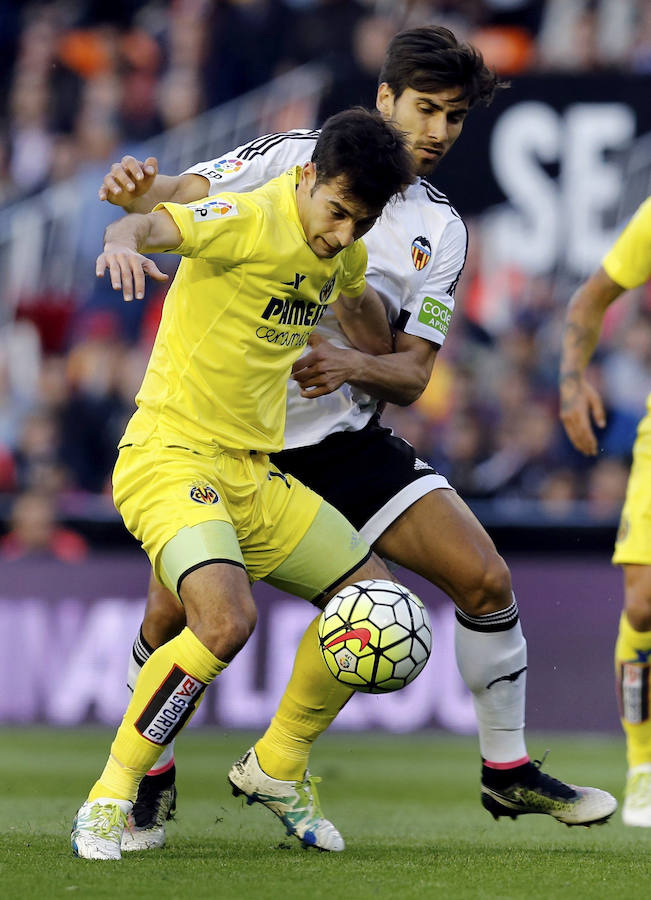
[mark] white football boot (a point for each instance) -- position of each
(637, 801)
(98, 827)
(296, 803)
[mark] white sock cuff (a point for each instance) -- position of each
(140, 653)
(502, 620)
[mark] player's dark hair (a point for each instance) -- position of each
(371, 153)
(431, 59)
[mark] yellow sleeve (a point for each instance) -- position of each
(354, 262)
(628, 262)
(221, 228)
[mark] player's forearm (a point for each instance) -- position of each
(154, 233)
(583, 324)
(133, 231)
(364, 322)
(392, 377)
(169, 188)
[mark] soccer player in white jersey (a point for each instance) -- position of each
(334, 441)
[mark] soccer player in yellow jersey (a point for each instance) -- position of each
(627, 265)
(193, 481)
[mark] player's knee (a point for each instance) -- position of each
(638, 609)
(490, 589)
(225, 636)
(235, 633)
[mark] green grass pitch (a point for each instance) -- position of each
(407, 805)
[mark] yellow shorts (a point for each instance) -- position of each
(633, 544)
(189, 509)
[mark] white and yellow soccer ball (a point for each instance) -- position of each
(375, 636)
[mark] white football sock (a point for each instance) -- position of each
(492, 659)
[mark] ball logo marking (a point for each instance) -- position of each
(363, 635)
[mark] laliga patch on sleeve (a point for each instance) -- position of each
(213, 209)
(225, 167)
(435, 314)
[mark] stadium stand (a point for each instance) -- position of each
(84, 82)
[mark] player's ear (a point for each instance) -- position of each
(385, 100)
(308, 175)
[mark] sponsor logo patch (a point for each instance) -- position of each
(435, 314)
(213, 209)
(282, 338)
(227, 166)
(170, 707)
(421, 252)
(634, 692)
(204, 493)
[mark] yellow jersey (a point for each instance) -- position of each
(247, 294)
(628, 263)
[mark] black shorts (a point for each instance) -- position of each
(371, 475)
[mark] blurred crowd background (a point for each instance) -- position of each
(85, 82)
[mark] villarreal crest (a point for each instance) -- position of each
(421, 252)
(204, 493)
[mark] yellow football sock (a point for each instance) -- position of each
(166, 695)
(633, 668)
(311, 701)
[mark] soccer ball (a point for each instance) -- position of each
(375, 636)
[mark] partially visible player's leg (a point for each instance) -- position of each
(439, 538)
(633, 647)
(156, 801)
(221, 616)
(313, 697)
(274, 771)
(633, 676)
(195, 551)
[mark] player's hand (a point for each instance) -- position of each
(128, 179)
(581, 405)
(324, 369)
(127, 268)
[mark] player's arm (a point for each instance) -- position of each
(363, 320)
(137, 187)
(124, 243)
(399, 377)
(580, 402)
(402, 376)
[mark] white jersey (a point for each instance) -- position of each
(416, 252)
